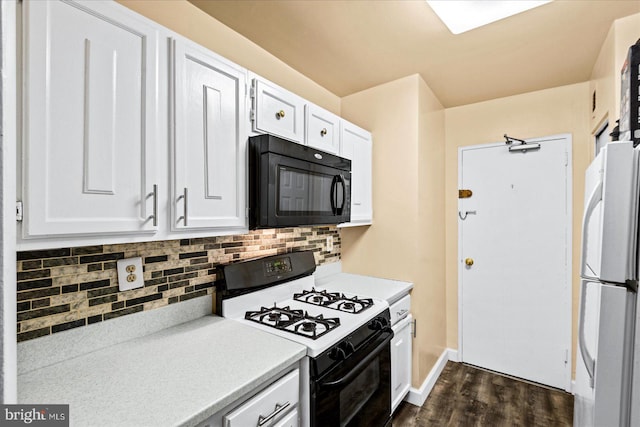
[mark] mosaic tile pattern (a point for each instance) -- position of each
(60, 289)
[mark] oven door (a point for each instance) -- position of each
(358, 391)
(304, 193)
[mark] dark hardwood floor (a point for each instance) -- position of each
(468, 396)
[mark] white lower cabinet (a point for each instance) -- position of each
(90, 94)
(269, 406)
(291, 420)
(275, 406)
(356, 145)
(400, 351)
(209, 140)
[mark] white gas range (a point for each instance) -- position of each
(345, 378)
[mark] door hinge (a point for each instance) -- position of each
(19, 213)
(414, 326)
(566, 356)
(566, 158)
(252, 115)
(252, 92)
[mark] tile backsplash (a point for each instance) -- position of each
(60, 289)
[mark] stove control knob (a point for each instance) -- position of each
(337, 353)
(379, 324)
(348, 347)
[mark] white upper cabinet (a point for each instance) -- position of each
(322, 129)
(277, 111)
(356, 145)
(209, 139)
(89, 120)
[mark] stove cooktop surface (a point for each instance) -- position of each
(319, 323)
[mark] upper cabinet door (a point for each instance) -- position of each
(322, 129)
(89, 115)
(356, 145)
(277, 111)
(209, 141)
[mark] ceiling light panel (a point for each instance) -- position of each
(464, 15)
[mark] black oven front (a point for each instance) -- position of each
(292, 184)
(350, 384)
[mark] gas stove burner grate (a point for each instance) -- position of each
(334, 300)
(275, 316)
(294, 321)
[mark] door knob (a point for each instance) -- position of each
(469, 262)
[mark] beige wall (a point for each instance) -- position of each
(537, 114)
(186, 19)
(406, 240)
(415, 159)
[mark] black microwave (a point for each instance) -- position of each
(292, 184)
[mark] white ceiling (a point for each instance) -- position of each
(347, 46)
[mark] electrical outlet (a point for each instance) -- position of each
(329, 243)
(130, 274)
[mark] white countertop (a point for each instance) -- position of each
(367, 286)
(178, 376)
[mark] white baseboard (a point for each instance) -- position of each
(417, 396)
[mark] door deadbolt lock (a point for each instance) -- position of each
(468, 262)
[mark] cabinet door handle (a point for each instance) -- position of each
(323, 132)
(155, 205)
(279, 408)
(280, 114)
(184, 207)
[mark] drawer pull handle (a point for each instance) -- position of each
(279, 408)
(280, 114)
(402, 312)
(323, 132)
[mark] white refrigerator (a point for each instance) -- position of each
(607, 387)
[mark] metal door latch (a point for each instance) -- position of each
(465, 214)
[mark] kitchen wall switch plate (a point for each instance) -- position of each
(130, 274)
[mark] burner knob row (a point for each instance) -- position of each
(379, 323)
(341, 351)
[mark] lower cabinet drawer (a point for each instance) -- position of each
(269, 407)
(290, 420)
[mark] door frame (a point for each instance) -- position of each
(568, 293)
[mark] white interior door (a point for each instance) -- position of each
(515, 305)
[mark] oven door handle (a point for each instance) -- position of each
(362, 364)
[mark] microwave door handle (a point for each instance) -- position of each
(332, 194)
(594, 198)
(340, 179)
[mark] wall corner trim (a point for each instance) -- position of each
(417, 396)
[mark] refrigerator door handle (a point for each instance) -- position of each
(594, 199)
(588, 360)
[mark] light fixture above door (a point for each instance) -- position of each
(464, 15)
